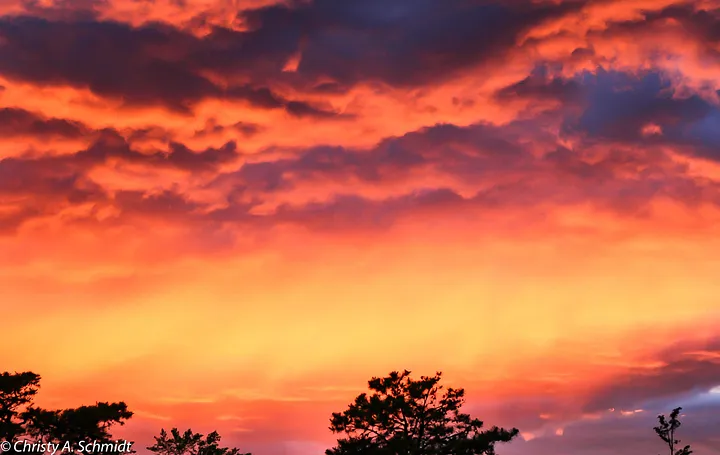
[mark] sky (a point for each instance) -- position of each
(231, 214)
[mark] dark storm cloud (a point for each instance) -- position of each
(140, 65)
(466, 153)
(624, 410)
(302, 109)
(36, 186)
(678, 376)
(699, 22)
(493, 159)
(149, 133)
(167, 205)
(498, 161)
(260, 97)
(402, 43)
(684, 371)
(264, 98)
(615, 433)
(182, 157)
(540, 85)
(50, 173)
(9, 222)
(342, 212)
(444, 146)
(152, 64)
(63, 10)
(610, 106)
(244, 128)
(350, 212)
(113, 146)
(15, 122)
(28, 191)
(23, 178)
(620, 105)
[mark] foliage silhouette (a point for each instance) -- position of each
(19, 418)
(412, 417)
(86, 423)
(17, 392)
(190, 443)
(666, 430)
(402, 416)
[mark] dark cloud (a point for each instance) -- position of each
(620, 416)
(504, 169)
(152, 64)
(63, 10)
(28, 191)
(183, 158)
(15, 122)
(150, 133)
(139, 65)
(302, 109)
(325, 163)
(351, 212)
(10, 222)
(541, 85)
(259, 97)
(43, 179)
(493, 159)
(704, 133)
(43, 185)
(702, 23)
(400, 43)
(615, 105)
(684, 371)
(678, 376)
(618, 107)
(695, 20)
(264, 98)
(467, 153)
(245, 129)
(615, 433)
(112, 145)
(167, 205)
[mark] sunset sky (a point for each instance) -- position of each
(233, 213)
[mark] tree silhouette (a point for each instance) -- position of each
(190, 443)
(86, 424)
(17, 392)
(412, 417)
(666, 430)
(19, 418)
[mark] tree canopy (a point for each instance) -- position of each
(189, 443)
(399, 416)
(412, 417)
(20, 418)
(17, 391)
